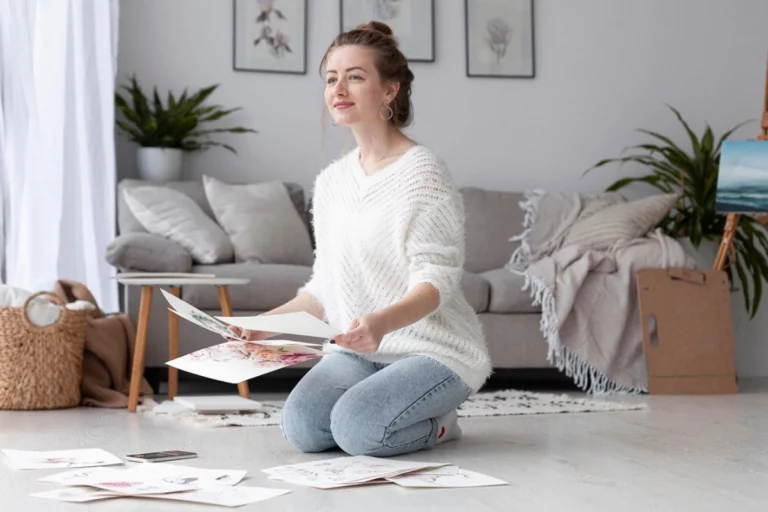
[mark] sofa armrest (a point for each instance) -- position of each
(149, 253)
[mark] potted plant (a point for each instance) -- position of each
(692, 174)
(164, 131)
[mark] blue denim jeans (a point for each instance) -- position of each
(371, 409)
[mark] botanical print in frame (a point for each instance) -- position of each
(412, 22)
(270, 36)
(499, 38)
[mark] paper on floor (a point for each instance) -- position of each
(76, 494)
(344, 471)
(150, 478)
(229, 497)
(236, 362)
(59, 459)
(439, 478)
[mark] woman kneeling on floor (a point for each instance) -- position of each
(389, 230)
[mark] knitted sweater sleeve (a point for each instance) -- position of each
(434, 244)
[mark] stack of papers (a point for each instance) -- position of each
(157, 481)
(361, 470)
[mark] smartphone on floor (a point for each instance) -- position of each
(160, 456)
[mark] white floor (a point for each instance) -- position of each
(683, 453)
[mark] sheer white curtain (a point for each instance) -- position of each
(57, 157)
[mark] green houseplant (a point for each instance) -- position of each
(165, 130)
(692, 174)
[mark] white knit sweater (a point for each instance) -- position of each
(380, 235)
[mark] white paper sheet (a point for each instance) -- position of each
(343, 471)
(229, 497)
(300, 323)
(150, 479)
(198, 317)
(463, 478)
(59, 459)
(76, 494)
(236, 362)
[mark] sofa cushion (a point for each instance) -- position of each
(492, 218)
(507, 295)
(271, 285)
(128, 223)
(619, 222)
(174, 215)
(261, 221)
(149, 253)
(476, 290)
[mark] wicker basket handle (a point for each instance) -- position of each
(58, 300)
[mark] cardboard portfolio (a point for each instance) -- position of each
(687, 331)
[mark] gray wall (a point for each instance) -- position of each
(604, 68)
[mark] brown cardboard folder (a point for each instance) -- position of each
(687, 331)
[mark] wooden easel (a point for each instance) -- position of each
(732, 220)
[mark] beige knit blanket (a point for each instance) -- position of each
(590, 315)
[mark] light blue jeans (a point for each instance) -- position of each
(371, 409)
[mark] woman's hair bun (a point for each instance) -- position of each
(377, 26)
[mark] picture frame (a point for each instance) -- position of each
(499, 38)
(269, 37)
(412, 22)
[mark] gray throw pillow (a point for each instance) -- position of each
(149, 253)
(177, 217)
(261, 221)
(619, 222)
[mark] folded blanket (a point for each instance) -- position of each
(590, 312)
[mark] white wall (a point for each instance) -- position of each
(603, 69)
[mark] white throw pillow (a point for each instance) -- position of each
(619, 222)
(261, 221)
(176, 216)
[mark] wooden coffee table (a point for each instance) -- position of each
(147, 289)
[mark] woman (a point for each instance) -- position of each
(389, 227)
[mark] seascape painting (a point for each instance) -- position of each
(742, 182)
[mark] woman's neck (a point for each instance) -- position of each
(379, 145)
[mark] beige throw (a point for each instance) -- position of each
(590, 315)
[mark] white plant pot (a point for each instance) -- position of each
(160, 164)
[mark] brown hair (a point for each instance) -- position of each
(389, 61)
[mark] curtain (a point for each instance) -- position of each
(57, 154)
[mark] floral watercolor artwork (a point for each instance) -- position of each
(458, 477)
(236, 362)
(499, 38)
(270, 35)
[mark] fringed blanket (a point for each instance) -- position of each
(590, 315)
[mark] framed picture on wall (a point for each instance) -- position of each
(412, 22)
(499, 38)
(270, 36)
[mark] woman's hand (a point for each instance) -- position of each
(364, 334)
(248, 335)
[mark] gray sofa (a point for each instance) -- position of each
(510, 321)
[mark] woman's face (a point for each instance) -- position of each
(354, 94)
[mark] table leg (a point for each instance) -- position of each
(226, 309)
(173, 347)
(137, 371)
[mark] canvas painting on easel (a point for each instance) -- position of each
(742, 182)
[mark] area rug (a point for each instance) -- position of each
(498, 403)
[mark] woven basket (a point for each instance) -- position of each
(41, 367)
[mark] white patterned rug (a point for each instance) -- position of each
(497, 403)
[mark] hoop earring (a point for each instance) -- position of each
(389, 111)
